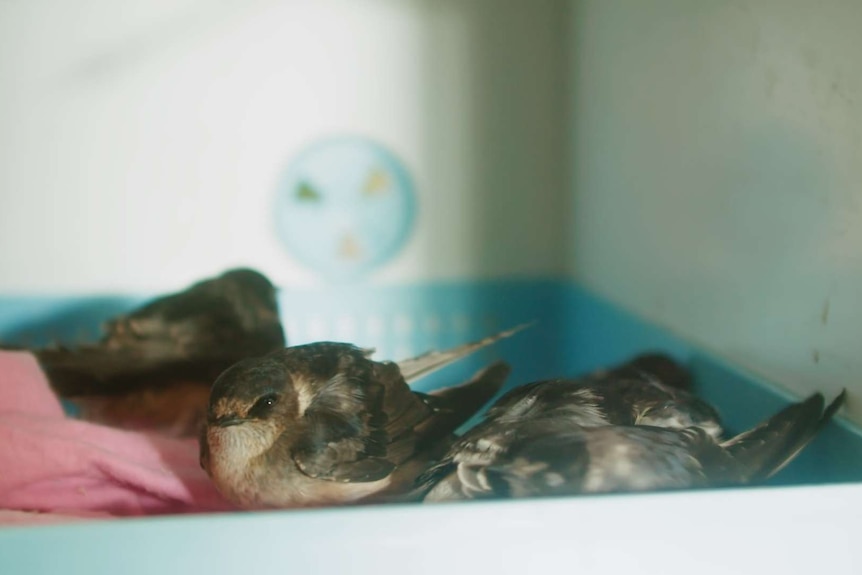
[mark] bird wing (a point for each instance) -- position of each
(767, 448)
(550, 456)
(422, 365)
(359, 429)
(594, 401)
(190, 335)
(362, 432)
(230, 315)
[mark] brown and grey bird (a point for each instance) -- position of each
(521, 454)
(153, 367)
(650, 389)
(323, 424)
(655, 366)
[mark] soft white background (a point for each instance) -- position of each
(140, 142)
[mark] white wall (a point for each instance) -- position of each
(717, 174)
(715, 161)
(140, 142)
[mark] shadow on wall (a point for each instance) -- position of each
(494, 128)
(715, 178)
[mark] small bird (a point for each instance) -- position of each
(153, 367)
(323, 423)
(656, 366)
(650, 389)
(522, 454)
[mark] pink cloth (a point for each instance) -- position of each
(54, 468)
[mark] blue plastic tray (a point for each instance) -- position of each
(806, 513)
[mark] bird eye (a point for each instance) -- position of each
(263, 406)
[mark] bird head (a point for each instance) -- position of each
(260, 400)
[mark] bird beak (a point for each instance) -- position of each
(227, 420)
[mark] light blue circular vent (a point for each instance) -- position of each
(344, 206)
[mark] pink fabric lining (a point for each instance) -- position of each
(64, 469)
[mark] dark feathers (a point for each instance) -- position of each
(656, 366)
(153, 367)
(342, 418)
(633, 427)
(767, 448)
(539, 457)
(196, 332)
(625, 395)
